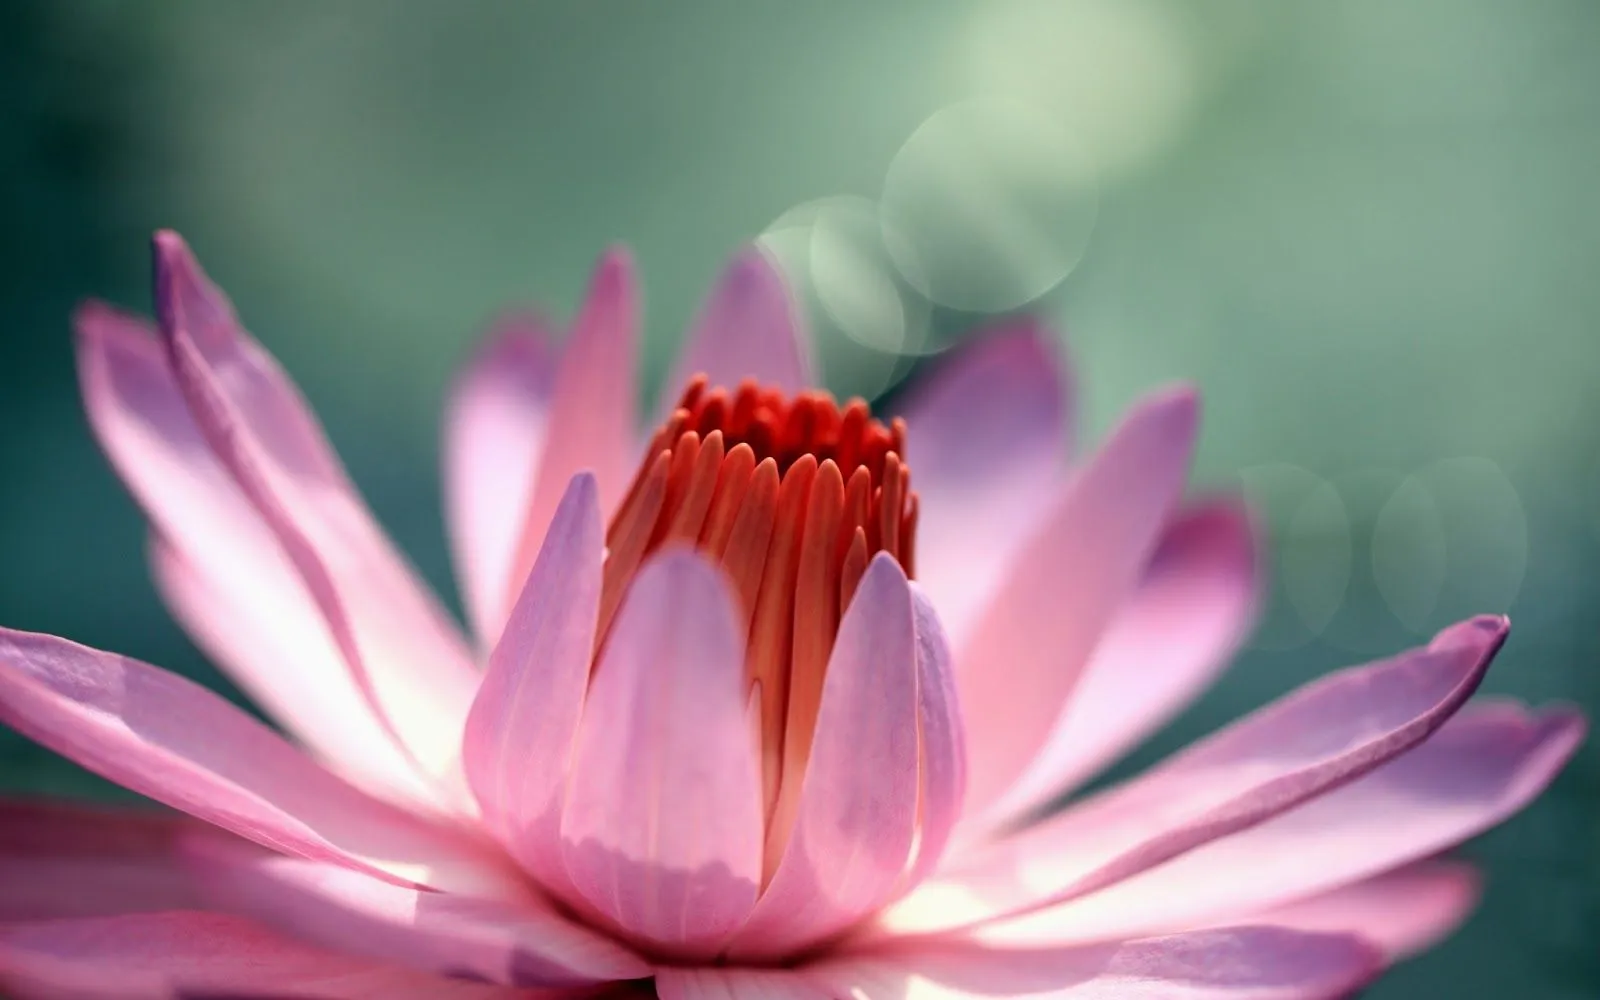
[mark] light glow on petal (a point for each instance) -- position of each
(662, 830)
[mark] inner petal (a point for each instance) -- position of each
(792, 495)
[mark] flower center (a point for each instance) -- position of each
(792, 496)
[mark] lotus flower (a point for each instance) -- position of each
(707, 737)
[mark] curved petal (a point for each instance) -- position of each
(735, 983)
(178, 743)
(748, 328)
(527, 944)
(59, 860)
(988, 435)
(495, 426)
(1323, 736)
(521, 729)
(857, 811)
(1237, 963)
(1403, 912)
(662, 830)
(1193, 608)
(592, 406)
(1481, 767)
(199, 955)
(941, 743)
(1024, 654)
(217, 565)
(406, 655)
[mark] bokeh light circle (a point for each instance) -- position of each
(1410, 553)
(988, 205)
(866, 323)
(1372, 557)
(1485, 527)
(1309, 549)
(1123, 76)
(1450, 542)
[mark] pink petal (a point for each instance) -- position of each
(942, 750)
(59, 860)
(495, 427)
(988, 436)
(1239, 963)
(748, 328)
(592, 405)
(1023, 656)
(1403, 912)
(527, 944)
(662, 830)
(231, 586)
(857, 813)
(1481, 767)
(200, 954)
(178, 743)
(275, 643)
(405, 654)
(1193, 608)
(1322, 736)
(521, 729)
(734, 983)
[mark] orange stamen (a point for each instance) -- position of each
(733, 481)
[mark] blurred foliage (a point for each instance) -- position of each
(1369, 230)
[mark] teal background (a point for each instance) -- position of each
(1369, 229)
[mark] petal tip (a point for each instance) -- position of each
(615, 264)
(885, 570)
(89, 315)
(584, 488)
(1026, 330)
(97, 328)
(1484, 634)
(750, 266)
(167, 243)
(684, 571)
(1567, 725)
(176, 275)
(1180, 401)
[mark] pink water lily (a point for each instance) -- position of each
(707, 737)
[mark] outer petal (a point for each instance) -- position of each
(856, 821)
(1021, 660)
(59, 860)
(495, 428)
(163, 736)
(1193, 608)
(748, 328)
(1403, 912)
(735, 983)
(1258, 963)
(521, 729)
(1481, 767)
(404, 652)
(591, 406)
(942, 746)
(231, 585)
(662, 830)
(988, 435)
(345, 911)
(1322, 736)
(188, 954)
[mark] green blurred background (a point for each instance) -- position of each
(1370, 229)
